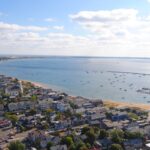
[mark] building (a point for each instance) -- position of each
(14, 90)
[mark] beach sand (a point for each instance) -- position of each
(111, 103)
(38, 84)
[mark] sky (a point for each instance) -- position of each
(113, 28)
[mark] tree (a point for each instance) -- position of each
(32, 112)
(117, 136)
(72, 105)
(85, 130)
(132, 135)
(33, 97)
(133, 116)
(91, 137)
(12, 117)
(116, 147)
(103, 134)
(79, 145)
(96, 131)
(72, 147)
(16, 145)
(83, 148)
(49, 145)
(67, 140)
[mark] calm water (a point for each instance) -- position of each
(107, 78)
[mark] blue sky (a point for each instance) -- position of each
(68, 27)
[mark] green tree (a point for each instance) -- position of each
(133, 116)
(117, 136)
(67, 140)
(16, 145)
(116, 147)
(103, 134)
(96, 131)
(49, 145)
(73, 106)
(83, 147)
(13, 118)
(72, 147)
(33, 97)
(132, 135)
(85, 130)
(79, 145)
(91, 136)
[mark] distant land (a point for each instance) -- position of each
(4, 58)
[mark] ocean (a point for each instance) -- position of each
(118, 79)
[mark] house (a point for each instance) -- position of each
(87, 105)
(44, 104)
(59, 106)
(59, 147)
(62, 107)
(133, 144)
(97, 116)
(62, 124)
(55, 140)
(134, 127)
(13, 90)
(105, 143)
(5, 123)
(119, 116)
(43, 137)
(23, 105)
(108, 124)
(29, 104)
(13, 106)
(80, 110)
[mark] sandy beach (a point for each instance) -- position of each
(111, 103)
(38, 84)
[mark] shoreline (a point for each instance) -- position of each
(112, 103)
(109, 103)
(38, 84)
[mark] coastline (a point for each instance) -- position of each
(109, 103)
(38, 84)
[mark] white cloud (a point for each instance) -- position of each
(15, 27)
(119, 27)
(119, 32)
(60, 28)
(49, 19)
